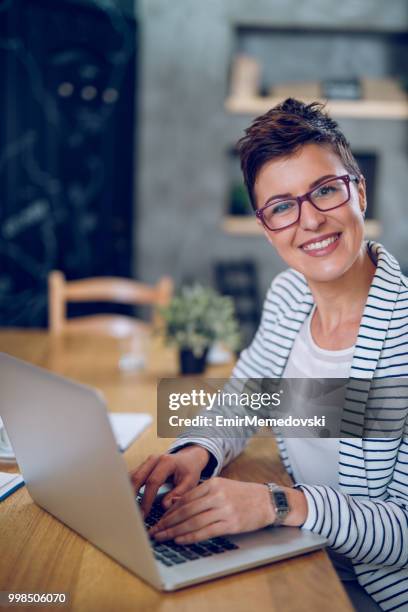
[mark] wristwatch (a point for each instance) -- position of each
(279, 502)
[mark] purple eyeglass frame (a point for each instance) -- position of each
(346, 178)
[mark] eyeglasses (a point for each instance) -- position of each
(329, 195)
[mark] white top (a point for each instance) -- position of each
(315, 460)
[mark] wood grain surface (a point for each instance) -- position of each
(40, 554)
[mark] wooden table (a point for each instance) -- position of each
(39, 554)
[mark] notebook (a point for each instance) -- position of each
(9, 483)
(127, 426)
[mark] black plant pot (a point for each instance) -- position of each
(190, 364)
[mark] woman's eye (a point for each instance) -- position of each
(281, 208)
(325, 190)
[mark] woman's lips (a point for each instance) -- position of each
(330, 244)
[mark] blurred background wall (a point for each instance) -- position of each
(120, 120)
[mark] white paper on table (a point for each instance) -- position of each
(127, 426)
(6, 450)
(9, 483)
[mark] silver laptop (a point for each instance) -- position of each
(72, 467)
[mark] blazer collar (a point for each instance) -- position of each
(378, 311)
(384, 292)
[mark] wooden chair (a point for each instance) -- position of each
(103, 289)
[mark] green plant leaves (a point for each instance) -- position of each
(199, 316)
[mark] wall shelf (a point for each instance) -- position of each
(248, 226)
(356, 109)
(241, 225)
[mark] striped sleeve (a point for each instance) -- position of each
(366, 531)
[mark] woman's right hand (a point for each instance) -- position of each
(183, 467)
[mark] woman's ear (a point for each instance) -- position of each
(362, 195)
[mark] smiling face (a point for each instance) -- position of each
(339, 232)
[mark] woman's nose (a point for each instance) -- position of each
(310, 217)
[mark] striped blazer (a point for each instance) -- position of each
(366, 517)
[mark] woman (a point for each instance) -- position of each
(341, 307)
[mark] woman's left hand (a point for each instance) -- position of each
(218, 506)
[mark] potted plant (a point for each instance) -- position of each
(196, 318)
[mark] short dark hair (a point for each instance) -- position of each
(282, 131)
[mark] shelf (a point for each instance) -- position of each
(248, 226)
(241, 226)
(356, 109)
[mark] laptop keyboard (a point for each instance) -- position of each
(170, 553)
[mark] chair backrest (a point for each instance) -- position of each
(100, 289)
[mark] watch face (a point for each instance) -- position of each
(281, 500)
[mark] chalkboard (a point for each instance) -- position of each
(66, 148)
